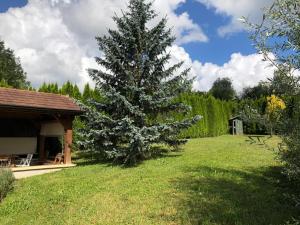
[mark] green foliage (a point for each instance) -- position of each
(289, 129)
(281, 22)
(222, 89)
(215, 115)
(3, 83)
(49, 88)
(283, 83)
(67, 88)
(78, 124)
(279, 34)
(76, 92)
(253, 112)
(87, 92)
(6, 182)
(11, 72)
(137, 87)
(90, 94)
(259, 91)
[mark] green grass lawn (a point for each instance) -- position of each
(220, 180)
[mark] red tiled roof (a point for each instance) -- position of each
(10, 97)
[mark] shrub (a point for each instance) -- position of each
(6, 182)
(253, 111)
(289, 130)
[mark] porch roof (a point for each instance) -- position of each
(31, 100)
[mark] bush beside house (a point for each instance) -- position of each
(6, 182)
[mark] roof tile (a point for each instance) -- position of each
(32, 99)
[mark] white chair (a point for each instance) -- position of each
(26, 161)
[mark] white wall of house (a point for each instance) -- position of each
(17, 145)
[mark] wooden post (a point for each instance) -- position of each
(68, 138)
(67, 149)
(42, 153)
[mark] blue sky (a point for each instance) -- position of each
(219, 49)
(58, 34)
(6, 4)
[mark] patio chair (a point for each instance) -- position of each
(26, 161)
(59, 158)
(5, 161)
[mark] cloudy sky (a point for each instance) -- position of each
(55, 38)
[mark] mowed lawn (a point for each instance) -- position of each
(221, 180)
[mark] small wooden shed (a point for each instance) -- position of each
(28, 117)
(236, 125)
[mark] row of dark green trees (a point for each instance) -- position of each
(71, 90)
(215, 115)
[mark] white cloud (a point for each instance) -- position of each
(98, 18)
(184, 28)
(55, 41)
(243, 70)
(237, 9)
(47, 49)
(55, 38)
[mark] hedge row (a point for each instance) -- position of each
(215, 113)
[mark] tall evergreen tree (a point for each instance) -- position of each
(44, 88)
(262, 89)
(223, 89)
(54, 88)
(137, 87)
(87, 92)
(76, 92)
(11, 71)
(67, 89)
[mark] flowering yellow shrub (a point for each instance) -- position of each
(274, 104)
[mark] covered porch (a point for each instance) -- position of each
(30, 122)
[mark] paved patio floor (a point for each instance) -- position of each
(25, 174)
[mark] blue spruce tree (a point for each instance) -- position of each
(137, 88)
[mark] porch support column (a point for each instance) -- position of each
(68, 138)
(42, 153)
(68, 143)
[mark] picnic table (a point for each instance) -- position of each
(258, 139)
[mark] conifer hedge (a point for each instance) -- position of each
(215, 113)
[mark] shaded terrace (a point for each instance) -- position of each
(30, 120)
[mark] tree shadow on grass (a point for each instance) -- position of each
(229, 196)
(85, 158)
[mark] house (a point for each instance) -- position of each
(28, 118)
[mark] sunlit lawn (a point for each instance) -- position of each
(220, 180)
